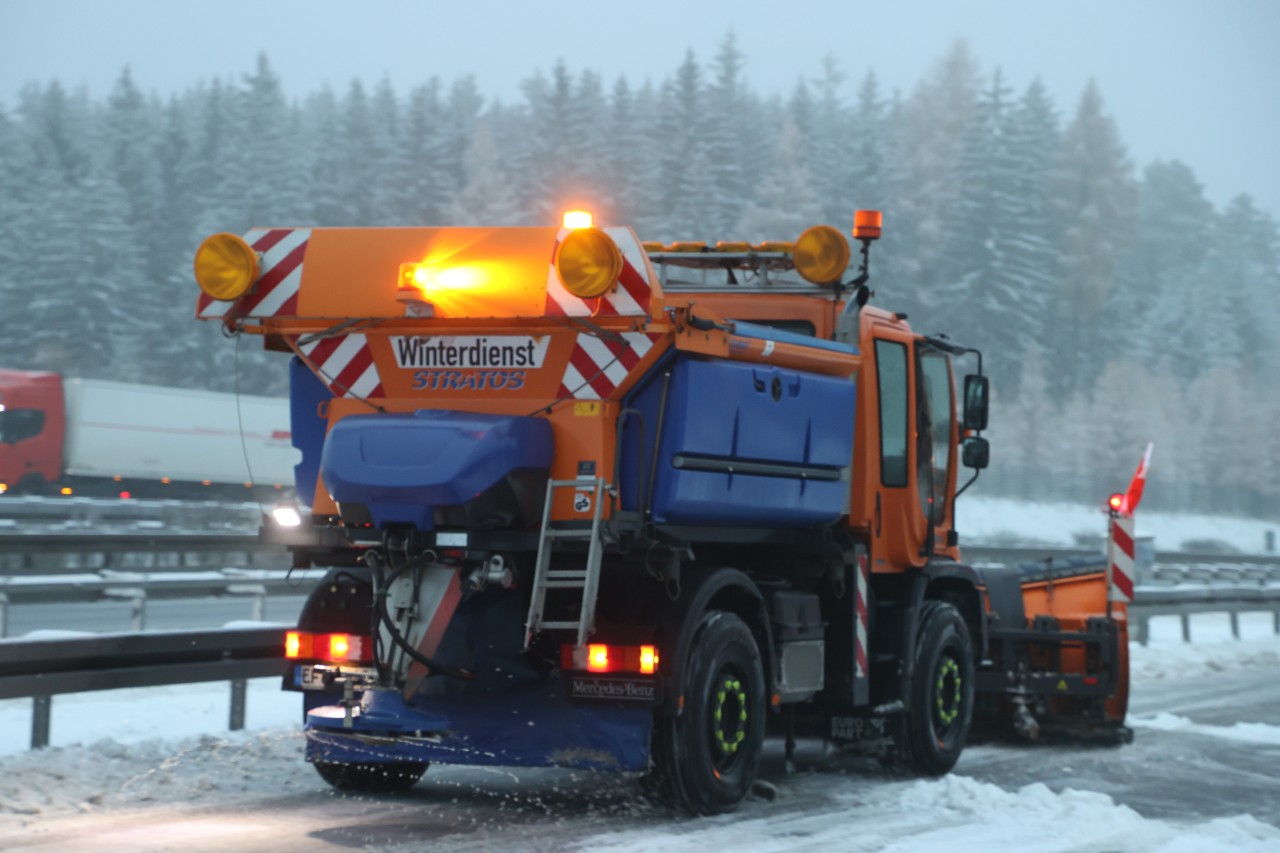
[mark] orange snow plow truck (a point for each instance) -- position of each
(591, 502)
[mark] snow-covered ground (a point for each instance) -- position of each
(167, 747)
(1008, 522)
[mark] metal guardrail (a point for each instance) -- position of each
(66, 513)
(79, 550)
(1184, 603)
(139, 588)
(43, 668)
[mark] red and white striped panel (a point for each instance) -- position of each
(629, 298)
(1120, 555)
(346, 365)
(860, 629)
(861, 667)
(275, 293)
(597, 366)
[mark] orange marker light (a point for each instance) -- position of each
(577, 219)
(866, 224)
(66, 490)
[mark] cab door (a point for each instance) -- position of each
(913, 455)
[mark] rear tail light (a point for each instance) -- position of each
(601, 657)
(334, 648)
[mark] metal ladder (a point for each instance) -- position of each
(586, 579)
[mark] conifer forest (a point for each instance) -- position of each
(1113, 302)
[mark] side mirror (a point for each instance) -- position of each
(976, 453)
(976, 389)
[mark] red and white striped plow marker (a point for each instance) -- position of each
(1120, 548)
(1120, 559)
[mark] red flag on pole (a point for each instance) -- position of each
(1136, 485)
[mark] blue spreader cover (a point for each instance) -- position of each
(725, 413)
(401, 466)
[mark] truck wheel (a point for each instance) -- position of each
(705, 759)
(936, 722)
(33, 484)
(384, 778)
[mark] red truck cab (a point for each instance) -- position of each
(32, 426)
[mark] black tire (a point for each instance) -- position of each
(936, 722)
(34, 484)
(705, 759)
(385, 778)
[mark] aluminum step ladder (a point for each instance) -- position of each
(586, 579)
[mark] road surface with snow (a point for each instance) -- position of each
(1202, 774)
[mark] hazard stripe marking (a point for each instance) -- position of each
(860, 642)
(1123, 584)
(1123, 539)
(597, 366)
(345, 364)
(267, 242)
(591, 372)
(575, 385)
(1121, 559)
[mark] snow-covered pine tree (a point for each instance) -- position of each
(785, 203)
(1095, 203)
(685, 160)
(423, 191)
(485, 198)
(727, 113)
(1157, 277)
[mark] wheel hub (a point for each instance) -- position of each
(729, 716)
(948, 692)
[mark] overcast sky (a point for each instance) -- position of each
(1184, 79)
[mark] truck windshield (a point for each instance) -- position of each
(935, 408)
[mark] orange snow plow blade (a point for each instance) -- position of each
(1058, 654)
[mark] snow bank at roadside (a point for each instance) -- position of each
(107, 773)
(947, 814)
(1248, 732)
(1213, 649)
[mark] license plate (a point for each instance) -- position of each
(312, 677)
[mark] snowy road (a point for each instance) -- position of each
(1203, 774)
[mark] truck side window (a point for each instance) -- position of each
(891, 374)
(20, 424)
